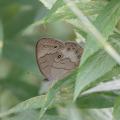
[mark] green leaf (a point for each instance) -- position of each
(116, 110)
(53, 91)
(41, 101)
(95, 67)
(105, 22)
(63, 13)
(34, 115)
(111, 75)
(33, 103)
(48, 3)
(96, 114)
(97, 100)
(115, 71)
(105, 87)
(26, 115)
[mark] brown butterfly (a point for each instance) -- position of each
(57, 59)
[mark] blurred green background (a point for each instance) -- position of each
(20, 78)
(22, 24)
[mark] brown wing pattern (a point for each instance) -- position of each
(57, 59)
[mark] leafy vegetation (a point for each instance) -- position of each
(92, 91)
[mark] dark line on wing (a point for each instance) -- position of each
(55, 67)
(48, 54)
(41, 62)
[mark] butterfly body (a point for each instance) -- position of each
(57, 59)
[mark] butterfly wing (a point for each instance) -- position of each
(57, 59)
(46, 49)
